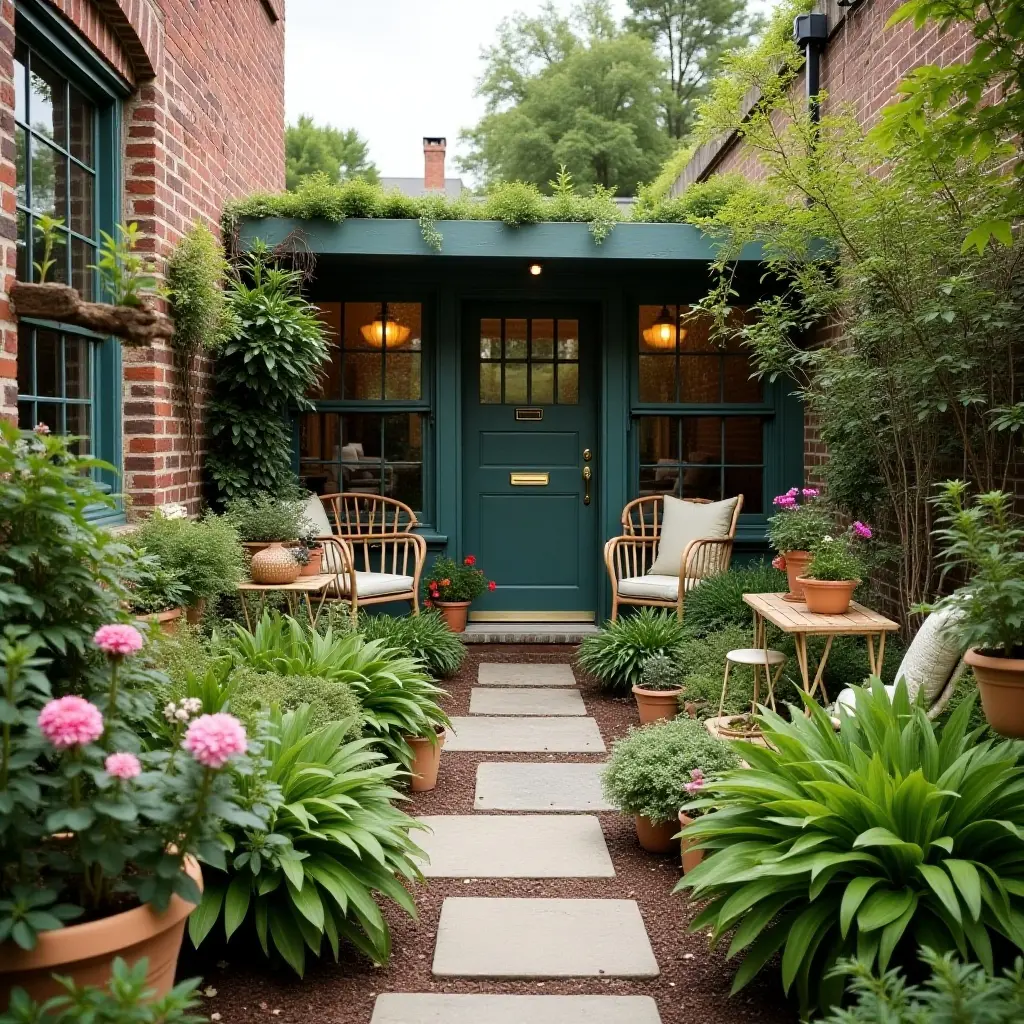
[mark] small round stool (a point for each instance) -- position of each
(758, 658)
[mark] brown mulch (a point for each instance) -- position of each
(694, 982)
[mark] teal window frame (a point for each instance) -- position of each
(45, 33)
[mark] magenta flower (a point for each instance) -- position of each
(123, 766)
(40, 428)
(793, 492)
(810, 492)
(212, 739)
(118, 640)
(70, 722)
(862, 530)
(784, 501)
(696, 783)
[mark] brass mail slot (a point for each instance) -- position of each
(528, 479)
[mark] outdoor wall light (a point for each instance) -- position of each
(663, 332)
(536, 269)
(385, 333)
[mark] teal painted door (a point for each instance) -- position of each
(530, 422)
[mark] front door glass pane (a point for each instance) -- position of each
(529, 361)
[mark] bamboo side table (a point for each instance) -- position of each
(295, 593)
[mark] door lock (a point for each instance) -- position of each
(587, 454)
(587, 474)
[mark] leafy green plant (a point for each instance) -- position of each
(835, 559)
(204, 553)
(125, 999)
(153, 588)
(424, 636)
(953, 993)
(801, 522)
(50, 232)
(126, 275)
(449, 580)
(265, 517)
(334, 839)
(866, 842)
(328, 700)
(718, 601)
(650, 768)
(616, 655)
(660, 673)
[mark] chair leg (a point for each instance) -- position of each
(725, 686)
(415, 603)
(615, 606)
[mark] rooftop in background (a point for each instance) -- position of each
(453, 187)
(433, 180)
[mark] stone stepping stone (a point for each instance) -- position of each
(479, 937)
(485, 700)
(525, 735)
(540, 787)
(522, 674)
(514, 846)
(430, 1008)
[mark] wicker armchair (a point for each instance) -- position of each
(353, 515)
(629, 557)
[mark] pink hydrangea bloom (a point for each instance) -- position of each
(118, 639)
(70, 721)
(212, 739)
(862, 530)
(123, 766)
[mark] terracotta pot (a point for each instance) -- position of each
(655, 838)
(312, 568)
(690, 857)
(454, 614)
(655, 705)
(252, 546)
(828, 597)
(1001, 682)
(85, 951)
(426, 760)
(167, 620)
(796, 566)
(274, 565)
(194, 612)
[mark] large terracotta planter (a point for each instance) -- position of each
(828, 597)
(426, 760)
(274, 565)
(655, 837)
(194, 612)
(1001, 682)
(312, 567)
(796, 566)
(656, 705)
(690, 857)
(85, 951)
(167, 620)
(454, 614)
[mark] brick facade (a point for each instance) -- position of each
(204, 123)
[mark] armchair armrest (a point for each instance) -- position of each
(344, 571)
(705, 557)
(626, 556)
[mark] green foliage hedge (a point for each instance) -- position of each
(329, 700)
(617, 654)
(424, 636)
(718, 601)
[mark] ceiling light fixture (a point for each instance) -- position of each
(385, 333)
(536, 269)
(664, 331)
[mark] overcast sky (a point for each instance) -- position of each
(395, 70)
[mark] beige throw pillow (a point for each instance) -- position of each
(932, 656)
(686, 521)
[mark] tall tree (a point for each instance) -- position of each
(577, 91)
(692, 36)
(309, 147)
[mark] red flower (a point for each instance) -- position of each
(778, 562)
(469, 560)
(446, 583)
(492, 585)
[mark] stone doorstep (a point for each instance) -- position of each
(524, 674)
(525, 735)
(493, 700)
(473, 1008)
(480, 937)
(514, 846)
(508, 786)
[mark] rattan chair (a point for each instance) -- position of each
(629, 557)
(354, 515)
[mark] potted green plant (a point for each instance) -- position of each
(309, 553)
(451, 588)
(835, 571)
(984, 543)
(156, 594)
(800, 522)
(657, 694)
(650, 768)
(268, 527)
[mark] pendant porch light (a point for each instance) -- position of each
(664, 331)
(385, 333)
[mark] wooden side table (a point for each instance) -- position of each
(302, 590)
(797, 621)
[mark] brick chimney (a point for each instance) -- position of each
(433, 163)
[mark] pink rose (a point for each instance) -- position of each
(123, 766)
(213, 739)
(70, 722)
(118, 639)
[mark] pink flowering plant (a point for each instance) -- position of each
(801, 520)
(842, 557)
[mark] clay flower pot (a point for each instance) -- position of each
(1001, 682)
(312, 567)
(194, 612)
(828, 597)
(253, 546)
(796, 566)
(690, 857)
(85, 951)
(426, 759)
(655, 705)
(167, 620)
(655, 837)
(274, 565)
(454, 614)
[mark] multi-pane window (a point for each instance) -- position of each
(529, 361)
(55, 382)
(367, 433)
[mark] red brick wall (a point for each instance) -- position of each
(204, 123)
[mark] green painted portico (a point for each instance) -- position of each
(508, 384)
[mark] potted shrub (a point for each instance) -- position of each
(835, 571)
(156, 594)
(309, 553)
(451, 588)
(268, 526)
(801, 521)
(657, 694)
(985, 543)
(650, 768)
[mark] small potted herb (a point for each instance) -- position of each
(650, 768)
(801, 521)
(835, 571)
(984, 542)
(156, 594)
(451, 588)
(309, 553)
(657, 694)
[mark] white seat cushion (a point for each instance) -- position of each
(660, 588)
(377, 584)
(931, 658)
(686, 521)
